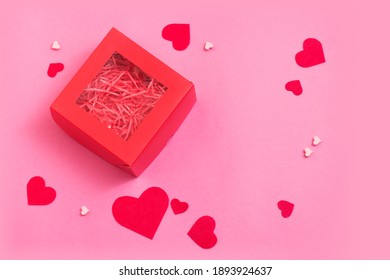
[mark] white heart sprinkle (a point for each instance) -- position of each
(208, 46)
(316, 140)
(84, 210)
(308, 152)
(56, 45)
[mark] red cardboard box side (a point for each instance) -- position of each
(84, 139)
(165, 132)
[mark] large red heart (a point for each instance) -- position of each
(179, 34)
(38, 193)
(54, 68)
(144, 214)
(202, 232)
(312, 53)
(286, 208)
(178, 206)
(295, 87)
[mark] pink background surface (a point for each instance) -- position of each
(236, 155)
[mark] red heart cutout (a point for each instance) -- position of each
(144, 214)
(286, 208)
(38, 193)
(54, 68)
(312, 53)
(294, 86)
(178, 207)
(179, 34)
(202, 232)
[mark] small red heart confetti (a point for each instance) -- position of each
(54, 68)
(178, 206)
(142, 215)
(202, 232)
(312, 53)
(295, 87)
(38, 193)
(178, 34)
(286, 208)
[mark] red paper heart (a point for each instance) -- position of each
(178, 206)
(144, 214)
(54, 68)
(286, 208)
(312, 53)
(179, 34)
(294, 86)
(38, 193)
(202, 232)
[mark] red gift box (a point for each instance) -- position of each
(129, 139)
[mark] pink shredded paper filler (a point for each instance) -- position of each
(121, 95)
